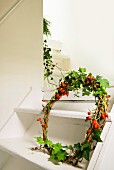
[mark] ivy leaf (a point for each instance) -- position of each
(86, 93)
(53, 157)
(97, 138)
(97, 134)
(79, 152)
(103, 82)
(56, 90)
(49, 142)
(77, 146)
(57, 147)
(82, 70)
(85, 146)
(70, 147)
(61, 155)
(75, 74)
(86, 154)
(39, 140)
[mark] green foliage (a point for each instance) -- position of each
(79, 81)
(82, 70)
(39, 140)
(86, 154)
(48, 63)
(46, 25)
(58, 152)
(83, 150)
(103, 82)
(86, 145)
(97, 134)
(47, 57)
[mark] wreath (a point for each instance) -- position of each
(77, 81)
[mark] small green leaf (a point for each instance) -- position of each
(70, 147)
(85, 146)
(82, 70)
(39, 140)
(86, 93)
(49, 142)
(56, 90)
(77, 146)
(103, 82)
(86, 154)
(53, 157)
(61, 155)
(97, 138)
(97, 134)
(79, 154)
(56, 148)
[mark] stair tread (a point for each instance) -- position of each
(21, 147)
(59, 113)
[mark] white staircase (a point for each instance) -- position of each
(67, 127)
(20, 92)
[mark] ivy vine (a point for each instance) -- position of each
(49, 65)
(74, 81)
(88, 84)
(47, 57)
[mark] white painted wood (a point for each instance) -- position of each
(112, 113)
(6, 7)
(4, 156)
(105, 159)
(98, 149)
(15, 163)
(20, 147)
(60, 113)
(21, 62)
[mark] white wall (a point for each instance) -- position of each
(20, 56)
(86, 29)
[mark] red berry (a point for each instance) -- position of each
(89, 113)
(61, 90)
(95, 126)
(63, 84)
(58, 96)
(98, 126)
(89, 130)
(43, 100)
(108, 96)
(44, 125)
(92, 78)
(89, 118)
(94, 122)
(88, 77)
(39, 119)
(106, 115)
(95, 86)
(87, 82)
(103, 116)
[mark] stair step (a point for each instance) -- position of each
(21, 147)
(59, 113)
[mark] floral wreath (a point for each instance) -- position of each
(74, 81)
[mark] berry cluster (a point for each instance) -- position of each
(44, 125)
(62, 90)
